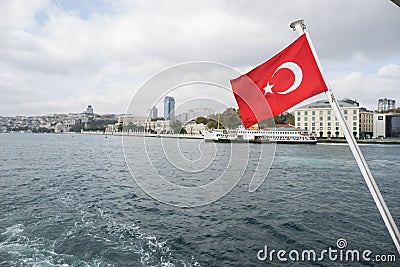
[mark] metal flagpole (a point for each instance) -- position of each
(355, 149)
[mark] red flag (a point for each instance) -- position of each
(283, 81)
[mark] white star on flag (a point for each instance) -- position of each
(268, 88)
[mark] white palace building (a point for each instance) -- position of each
(318, 118)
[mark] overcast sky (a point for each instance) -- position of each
(59, 56)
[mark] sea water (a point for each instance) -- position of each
(71, 200)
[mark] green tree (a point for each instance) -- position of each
(158, 119)
(76, 128)
(230, 118)
(214, 121)
(284, 118)
(279, 119)
(396, 110)
(183, 131)
(212, 124)
(201, 120)
(289, 118)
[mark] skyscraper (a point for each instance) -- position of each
(153, 113)
(169, 108)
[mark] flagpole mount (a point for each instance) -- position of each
(298, 25)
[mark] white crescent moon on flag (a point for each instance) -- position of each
(298, 76)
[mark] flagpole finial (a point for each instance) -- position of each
(298, 25)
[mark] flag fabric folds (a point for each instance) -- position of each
(283, 81)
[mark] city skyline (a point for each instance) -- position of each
(61, 55)
(75, 122)
(153, 113)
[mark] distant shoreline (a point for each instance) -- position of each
(387, 141)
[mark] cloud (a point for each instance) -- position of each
(391, 71)
(367, 88)
(20, 14)
(76, 53)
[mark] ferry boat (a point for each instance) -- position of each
(219, 135)
(273, 135)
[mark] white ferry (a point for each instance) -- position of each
(272, 135)
(219, 135)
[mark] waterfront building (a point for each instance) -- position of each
(318, 118)
(385, 104)
(386, 125)
(111, 128)
(159, 127)
(134, 120)
(169, 108)
(193, 128)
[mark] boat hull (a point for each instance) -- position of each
(309, 142)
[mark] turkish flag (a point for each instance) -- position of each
(283, 81)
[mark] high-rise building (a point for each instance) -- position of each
(169, 108)
(385, 104)
(153, 113)
(89, 110)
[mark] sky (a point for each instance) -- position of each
(60, 56)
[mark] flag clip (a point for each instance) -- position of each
(294, 23)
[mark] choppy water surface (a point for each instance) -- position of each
(69, 200)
